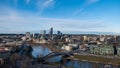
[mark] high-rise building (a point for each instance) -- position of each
(36, 35)
(33, 35)
(59, 34)
(51, 33)
(28, 35)
(43, 34)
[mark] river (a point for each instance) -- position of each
(42, 51)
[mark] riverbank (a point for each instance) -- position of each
(97, 59)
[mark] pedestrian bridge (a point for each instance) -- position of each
(63, 55)
(54, 54)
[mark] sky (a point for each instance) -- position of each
(19, 16)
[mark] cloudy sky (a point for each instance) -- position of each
(18, 16)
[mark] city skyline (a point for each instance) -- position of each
(18, 16)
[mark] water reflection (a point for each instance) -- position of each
(55, 59)
(85, 64)
(40, 51)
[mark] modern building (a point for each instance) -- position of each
(32, 35)
(43, 34)
(51, 33)
(28, 36)
(59, 34)
(36, 36)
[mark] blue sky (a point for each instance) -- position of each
(17, 16)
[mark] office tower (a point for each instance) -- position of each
(51, 33)
(43, 34)
(59, 34)
(28, 35)
(33, 35)
(36, 35)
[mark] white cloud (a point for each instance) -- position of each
(40, 5)
(16, 21)
(43, 4)
(85, 5)
(33, 23)
(47, 3)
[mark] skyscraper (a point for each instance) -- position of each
(59, 34)
(36, 35)
(28, 35)
(43, 34)
(51, 33)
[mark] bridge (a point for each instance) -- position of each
(63, 55)
(53, 54)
